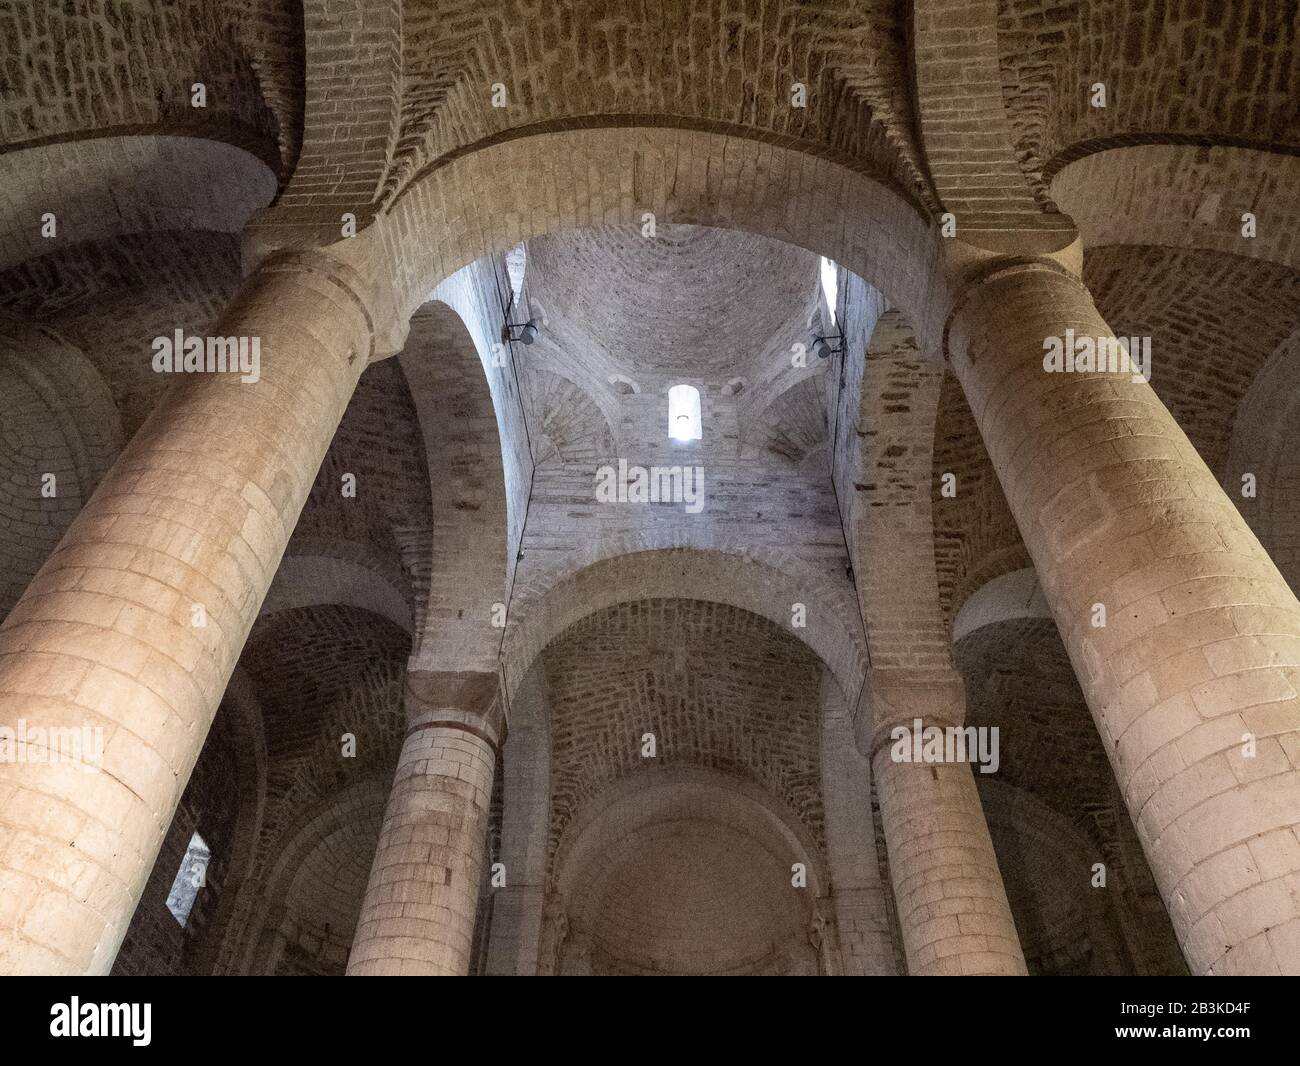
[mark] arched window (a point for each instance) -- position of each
(684, 413)
(830, 284)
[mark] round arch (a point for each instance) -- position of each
(477, 497)
(887, 492)
(315, 572)
(354, 812)
(60, 422)
(142, 183)
(712, 810)
(1262, 447)
(248, 735)
(485, 201)
(758, 582)
(1184, 196)
(1047, 866)
(1016, 594)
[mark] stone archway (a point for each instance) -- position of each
(724, 904)
(311, 895)
(578, 178)
(477, 496)
(747, 580)
(60, 435)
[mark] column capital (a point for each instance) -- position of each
(456, 699)
(312, 238)
(902, 697)
(336, 275)
(974, 279)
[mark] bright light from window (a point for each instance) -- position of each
(684, 413)
(189, 879)
(830, 283)
(516, 266)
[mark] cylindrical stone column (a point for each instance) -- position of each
(1193, 671)
(129, 632)
(952, 905)
(417, 917)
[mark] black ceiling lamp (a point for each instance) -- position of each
(825, 346)
(527, 331)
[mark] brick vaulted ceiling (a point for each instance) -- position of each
(693, 300)
(104, 87)
(1187, 70)
(114, 65)
(724, 64)
(87, 71)
(719, 687)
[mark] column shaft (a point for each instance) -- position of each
(134, 623)
(1199, 654)
(417, 917)
(516, 930)
(952, 905)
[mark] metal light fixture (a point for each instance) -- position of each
(527, 331)
(825, 347)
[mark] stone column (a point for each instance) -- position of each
(856, 916)
(417, 917)
(515, 936)
(952, 906)
(1199, 656)
(130, 630)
